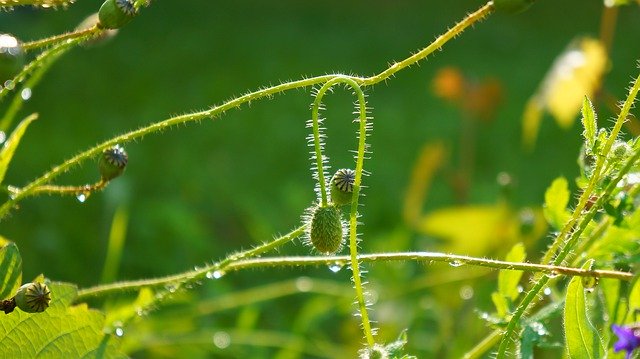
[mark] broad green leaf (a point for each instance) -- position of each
(556, 199)
(10, 269)
(582, 339)
(590, 124)
(6, 153)
(62, 331)
(508, 279)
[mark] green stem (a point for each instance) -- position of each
(218, 110)
(230, 264)
(190, 276)
(83, 33)
(353, 217)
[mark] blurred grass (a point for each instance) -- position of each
(201, 191)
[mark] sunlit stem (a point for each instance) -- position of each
(231, 264)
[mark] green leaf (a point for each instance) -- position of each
(10, 269)
(6, 153)
(582, 339)
(62, 331)
(556, 199)
(508, 279)
(590, 124)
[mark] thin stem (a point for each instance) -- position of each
(83, 33)
(190, 276)
(272, 262)
(218, 110)
(457, 29)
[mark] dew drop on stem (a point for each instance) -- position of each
(336, 267)
(455, 263)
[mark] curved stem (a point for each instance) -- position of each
(353, 217)
(215, 111)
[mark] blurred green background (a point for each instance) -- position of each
(200, 191)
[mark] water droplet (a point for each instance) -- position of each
(455, 263)
(10, 85)
(3, 137)
(171, 288)
(520, 289)
(336, 267)
(553, 274)
(215, 274)
(26, 93)
(83, 196)
(466, 292)
(547, 291)
(221, 339)
(304, 284)
(119, 332)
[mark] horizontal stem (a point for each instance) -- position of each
(59, 38)
(190, 276)
(234, 265)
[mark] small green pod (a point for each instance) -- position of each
(512, 6)
(33, 297)
(342, 186)
(325, 229)
(112, 162)
(114, 14)
(11, 57)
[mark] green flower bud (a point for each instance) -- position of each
(11, 57)
(112, 162)
(620, 150)
(512, 6)
(114, 14)
(33, 297)
(325, 229)
(342, 186)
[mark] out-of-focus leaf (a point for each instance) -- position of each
(431, 157)
(590, 123)
(61, 331)
(556, 199)
(576, 73)
(502, 307)
(582, 339)
(9, 147)
(10, 268)
(634, 302)
(508, 279)
(470, 230)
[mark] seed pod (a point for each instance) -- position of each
(33, 297)
(114, 14)
(342, 186)
(325, 229)
(112, 162)
(11, 57)
(512, 6)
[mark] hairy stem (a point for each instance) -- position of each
(230, 264)
(218, 110)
